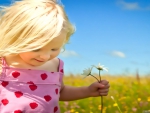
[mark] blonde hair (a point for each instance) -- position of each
(31, 24)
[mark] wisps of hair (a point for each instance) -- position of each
(31, 24)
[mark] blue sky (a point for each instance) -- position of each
(115, 33)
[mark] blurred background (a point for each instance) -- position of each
(116, 34)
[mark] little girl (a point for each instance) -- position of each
(32, 34)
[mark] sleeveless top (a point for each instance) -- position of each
(29, 90)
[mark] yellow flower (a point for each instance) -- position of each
(148, 99)
(139, 99)
(72, 110)
(115, 104)
(99, 107)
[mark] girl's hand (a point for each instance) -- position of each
(99, 89)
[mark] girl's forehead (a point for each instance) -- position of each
(57, 41)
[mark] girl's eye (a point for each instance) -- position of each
(36, 50)
(54, 49)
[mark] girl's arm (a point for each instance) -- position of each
(69, 93)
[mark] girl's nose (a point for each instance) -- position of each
(45, 56)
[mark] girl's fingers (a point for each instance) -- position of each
(104, 82)
(103, 94)
(107, 86)
(103, 90)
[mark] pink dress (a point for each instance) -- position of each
(29, 91)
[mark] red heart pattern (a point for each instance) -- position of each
(55, 109)
(56, 91)
(33, 105)
(33, 87)
(18, 111)
(43, 76)
(5, 102)
(47, 98)
(18, 94)
(15, 74)
(4, 83)
(30, 82)
(62, 71)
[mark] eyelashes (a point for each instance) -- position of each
(54, 49)
(36, 50)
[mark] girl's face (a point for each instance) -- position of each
(48, 52)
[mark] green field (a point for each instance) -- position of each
(131, 95)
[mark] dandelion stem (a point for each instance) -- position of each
(95, 78)
(99, 76)
(101, 96)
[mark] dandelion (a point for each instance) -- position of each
(148, 99)
(139, 99)
(72, 110)
(100, 67)
(100, 107)
(115, 104)
(87, 72)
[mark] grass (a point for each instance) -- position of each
(131, 95)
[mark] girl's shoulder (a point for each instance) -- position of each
(53, 65)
